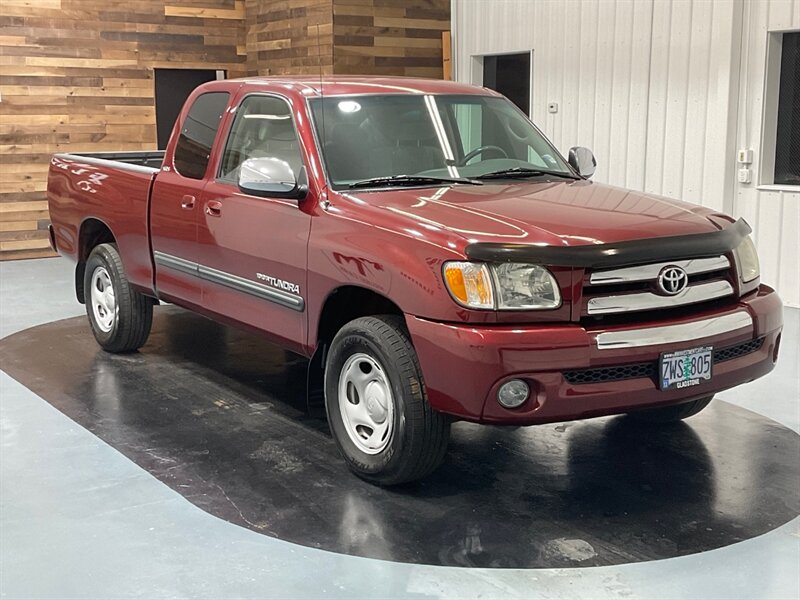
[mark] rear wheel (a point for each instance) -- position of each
(377, 405)
(120, 316)
(672, 413)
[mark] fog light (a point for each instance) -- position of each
(513, 393)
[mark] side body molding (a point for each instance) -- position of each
(284, 298)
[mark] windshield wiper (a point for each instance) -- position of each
(520, 172)
(410, 180)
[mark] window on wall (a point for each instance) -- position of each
(780, 135)
(787, 132)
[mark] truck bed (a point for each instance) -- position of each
(106, 190)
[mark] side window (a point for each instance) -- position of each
(197, 134)
(263, 127)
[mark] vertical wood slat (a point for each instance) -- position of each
(447, 59)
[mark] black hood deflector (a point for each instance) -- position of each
(617, 254)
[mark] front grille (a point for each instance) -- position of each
(634, 371)
(738, 350)
(636, 289)
(649, 369)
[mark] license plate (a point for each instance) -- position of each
(685, 368)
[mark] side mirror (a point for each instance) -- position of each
(271, 177)
(582, 160)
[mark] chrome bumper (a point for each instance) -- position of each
(669, 334)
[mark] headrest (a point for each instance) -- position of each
(415, 128)
(282, 130)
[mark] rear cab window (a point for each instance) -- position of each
(198, 131)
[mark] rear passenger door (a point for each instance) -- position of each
(176, 199)
(253, 249)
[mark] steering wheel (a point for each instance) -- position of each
(480, 150)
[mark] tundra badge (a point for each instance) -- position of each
(279, 283)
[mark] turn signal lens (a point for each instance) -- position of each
(469, 284)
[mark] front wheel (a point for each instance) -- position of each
(377, 405)
(672, 413)
(119, 315)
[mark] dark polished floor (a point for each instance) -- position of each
(218, 416)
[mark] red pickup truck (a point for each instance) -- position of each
(429, 250)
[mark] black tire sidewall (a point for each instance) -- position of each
(100, 258)
(380, 466)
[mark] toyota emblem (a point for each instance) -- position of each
(672, 280)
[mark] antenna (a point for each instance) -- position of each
(321, 97)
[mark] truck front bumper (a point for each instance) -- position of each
(576, 372)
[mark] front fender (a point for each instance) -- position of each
(398, 265)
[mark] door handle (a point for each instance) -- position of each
(187, 202)
(214, 208)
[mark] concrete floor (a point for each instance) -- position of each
(80, 520)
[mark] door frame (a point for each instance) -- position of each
(476, 70)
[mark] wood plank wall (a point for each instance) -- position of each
(386, 37)
(289, 37)
(77, 75)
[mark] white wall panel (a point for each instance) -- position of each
(656, 133)
(638, 95)
(657, 90)
(773, 213)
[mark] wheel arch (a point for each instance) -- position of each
(93, 232)
(342, 305)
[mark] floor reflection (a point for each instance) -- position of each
(218, 415)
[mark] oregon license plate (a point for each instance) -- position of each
(685, 368)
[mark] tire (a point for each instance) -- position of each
(377, 404)
(672, 413)
(120, 317)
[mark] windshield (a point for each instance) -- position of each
(384, 136)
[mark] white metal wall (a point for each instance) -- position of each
(652, 86)
(774, 212)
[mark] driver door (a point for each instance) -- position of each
(253, 250)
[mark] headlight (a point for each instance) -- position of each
(508, 286)
(747, 260)
(470, 284)
(525, 287)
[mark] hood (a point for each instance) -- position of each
(563, 213)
